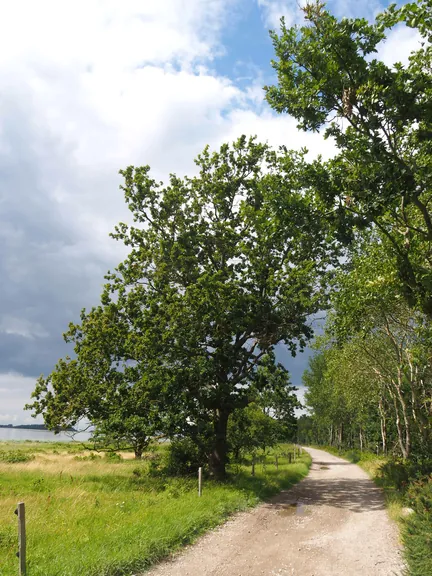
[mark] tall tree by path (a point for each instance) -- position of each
(223, 266)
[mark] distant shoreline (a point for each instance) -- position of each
(35, 427)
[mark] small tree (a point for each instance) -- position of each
(251, 429)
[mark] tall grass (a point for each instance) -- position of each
(88, 517)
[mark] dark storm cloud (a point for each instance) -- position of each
(47, 272)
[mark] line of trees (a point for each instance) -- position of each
(225, 265)
(370, 383)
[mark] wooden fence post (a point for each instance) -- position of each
(289, 457)
(276, 462)
(199, 481)
(253, 466)
(20, 512)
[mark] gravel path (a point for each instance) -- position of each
(332, 523)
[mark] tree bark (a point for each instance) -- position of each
(139, 447)
(340, 436)
(398, 386)
(399, 427)
(217, 460)
(383, 426)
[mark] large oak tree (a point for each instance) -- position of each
(223, 266)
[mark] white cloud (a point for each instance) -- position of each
(300, 393)
(21, 327)
(15, 390)
(109, 35)
(400, 42)
(278, 130)
(8, 418)
(273, 10)
(291, 10)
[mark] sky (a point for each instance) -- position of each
(90, 87)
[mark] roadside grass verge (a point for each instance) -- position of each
(89, 516)
(407, 488)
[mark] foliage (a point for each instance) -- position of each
(12, 457)
(100, 384)
(222, 267)
(370, 383)
(113, 456)
(380, 118)
(183, 457)
(417, 536)
(377, 376)
(250, 430)
(270, 418)
(123, 429)
(276, 396)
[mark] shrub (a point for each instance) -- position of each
(182, 457)
(401, 473)
(420, 496)
(354, 456)
(113, 457)
(90, 457)
(417, 533)
(15, 456)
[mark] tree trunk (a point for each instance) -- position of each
(383, 426)
(217, 461)
(139, 446)
(340, 436)
(406, 419)
(399, 427)
(138, 451)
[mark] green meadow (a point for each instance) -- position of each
(91, 514)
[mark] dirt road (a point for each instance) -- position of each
(332, 523)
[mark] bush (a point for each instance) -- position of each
(417, 534)
(14, 457)
(183, 457)
(91, 457)
(113, 457)
(401, 473)
(354, 456)
(420, 496)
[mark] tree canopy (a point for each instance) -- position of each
(380, 118)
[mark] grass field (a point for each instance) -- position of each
(89, 515)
